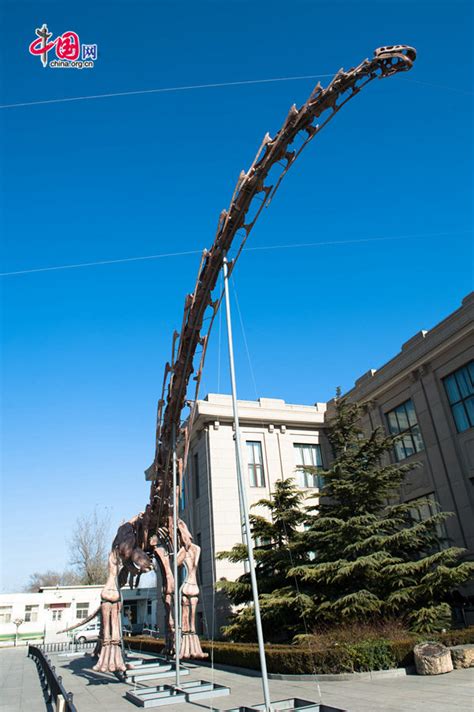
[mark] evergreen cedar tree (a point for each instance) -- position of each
(357, 556)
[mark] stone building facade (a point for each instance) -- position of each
(275, 438)
(426, 392)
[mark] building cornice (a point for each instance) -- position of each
(264, 411)
(416, 352)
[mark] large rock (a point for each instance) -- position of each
(432, 659)
(462, 655)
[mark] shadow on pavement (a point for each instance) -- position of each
(83, 668)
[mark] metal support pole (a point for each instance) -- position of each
(177, 636)
(243, 496)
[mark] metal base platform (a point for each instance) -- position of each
(152, 670)
(158, 696)
(202, 690)
(294, 704)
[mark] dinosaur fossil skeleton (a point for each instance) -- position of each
(147, 536)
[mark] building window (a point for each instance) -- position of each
(255, 463)
(308, 455)
(460, 389)
(56, 614)
(402, 422)
(262, 541)
(5, 614)
(31, 614)
(82, 610)
(197, 491)
(423, 510)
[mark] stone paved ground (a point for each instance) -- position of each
(20, 689)
(95, 692)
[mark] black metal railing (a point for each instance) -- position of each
(66, 647)
(51, 683)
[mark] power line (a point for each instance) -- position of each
(245, 249)
(350, 242)
(100, 262)
(215, 85)
(164, 90)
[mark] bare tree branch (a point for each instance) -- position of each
(40, 580)
(89, 546)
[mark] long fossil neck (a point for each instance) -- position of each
(250, 196)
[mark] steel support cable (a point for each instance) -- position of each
(219, 341)
(213, 576)
(288, 548)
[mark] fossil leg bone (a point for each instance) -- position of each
(110, 652)
(125, 558)
(163, 558)
(189, 556)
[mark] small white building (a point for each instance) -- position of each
(56, 607)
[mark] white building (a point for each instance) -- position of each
(275, 438)
(56, 607)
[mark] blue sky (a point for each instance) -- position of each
(84, 349)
